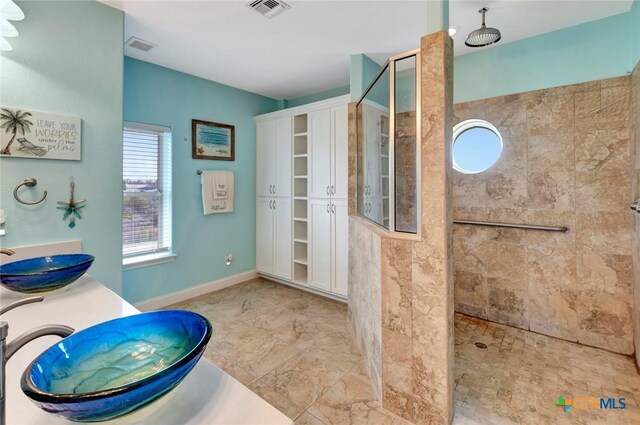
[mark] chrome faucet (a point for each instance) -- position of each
(8, 350)
(7, 251)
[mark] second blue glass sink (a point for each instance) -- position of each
(118, 366)
(42, 274)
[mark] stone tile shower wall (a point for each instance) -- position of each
(566, 161)
(635, 178)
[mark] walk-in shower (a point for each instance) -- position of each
(387, 161)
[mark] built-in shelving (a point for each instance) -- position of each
(300, 199)
(384, 168)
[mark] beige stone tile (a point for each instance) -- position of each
(506, 190)
(469, 213)
(551, 190)
(268, 388)
(470, 288)
(548, 113)
(469, 190)
(551, 152)
(505, 260)
(301, 380)
(513, 158)
(308, 419)
(264, 354)
(229, 365)
(396, 292)
(551, 256)
(466, 239)
(553, 311)
(603, 191)
(605, 108)
(351, 401)
(507, 214)
(228, 337)
(603, 150)
(508, 301)
(605, 321)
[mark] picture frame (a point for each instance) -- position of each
(26, 133)
(212, 140)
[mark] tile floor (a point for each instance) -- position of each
(296, 351)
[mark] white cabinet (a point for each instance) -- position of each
(302, 189)
(273, 236)
(273, 157)
(329, 245)
(329, 153)
(340, 152)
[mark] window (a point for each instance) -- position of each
(477, 146)
(146, 189)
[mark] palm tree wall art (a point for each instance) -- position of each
(14, 123)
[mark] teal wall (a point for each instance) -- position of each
(315, 97)
(634, 29)
(161, 96)
(363, 71)
(68, 59)
(591, 51)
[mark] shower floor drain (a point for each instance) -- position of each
(481, 345)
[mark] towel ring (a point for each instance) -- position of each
(30, 182)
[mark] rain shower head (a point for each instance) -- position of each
(483, 36)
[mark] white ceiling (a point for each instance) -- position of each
(306, 49)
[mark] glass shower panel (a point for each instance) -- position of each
(405, 170)
(373, 152)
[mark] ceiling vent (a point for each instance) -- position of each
(268, 8)
(139, 44)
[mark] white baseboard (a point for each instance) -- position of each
(196, 291)
(306, 288)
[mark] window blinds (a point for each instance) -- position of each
(146, 188)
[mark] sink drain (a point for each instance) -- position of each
(481, 345)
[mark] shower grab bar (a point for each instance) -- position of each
(562, 229)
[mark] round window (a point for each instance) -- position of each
(477, 145)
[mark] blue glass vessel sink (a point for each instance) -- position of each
(44, 274)
(116, 367)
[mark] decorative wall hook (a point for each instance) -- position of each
(30, 182)
(72, 208)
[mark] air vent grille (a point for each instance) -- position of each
(269, 8)
(137, 43)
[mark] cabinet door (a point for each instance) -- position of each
(282, 157)
(265, 158)
(320, 150)
(320, 234)
(264, 235)
(340, 152)
(282, 238)
(340, 245)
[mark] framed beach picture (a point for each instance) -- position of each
(211, 140)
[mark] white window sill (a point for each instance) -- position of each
(140, 261)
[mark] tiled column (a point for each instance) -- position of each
(417, 288)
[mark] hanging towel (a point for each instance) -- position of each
(220, 185)
(210, 181)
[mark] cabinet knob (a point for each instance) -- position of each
(333, 190)
(327, 190)
(327, 207)
(333, 208)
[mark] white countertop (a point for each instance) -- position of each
(207, 396)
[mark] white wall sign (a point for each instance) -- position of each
(25, 133)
